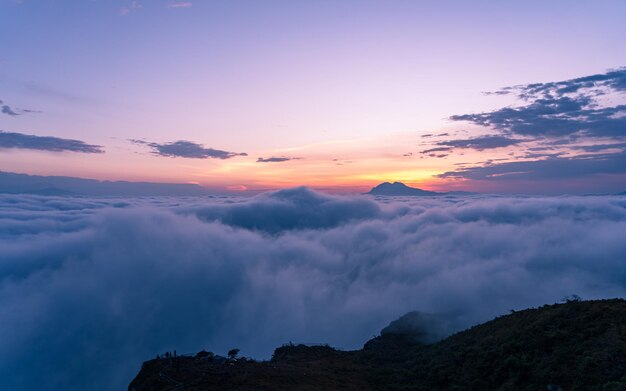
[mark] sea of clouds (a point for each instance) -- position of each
(92, 287)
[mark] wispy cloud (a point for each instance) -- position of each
(8, 111)
(478, 143)
(180, 4)
(276, 159)
(435, 135)
(187, 149)
(9, 140)
(436, 149)
(14, 112)
(127, 9)
(481, 143)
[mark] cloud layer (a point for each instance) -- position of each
(89, 288)
(13, 140)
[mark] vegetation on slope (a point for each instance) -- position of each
(579, 345)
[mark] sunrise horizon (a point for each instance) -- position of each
(344, 114)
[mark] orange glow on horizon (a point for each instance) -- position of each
(337, 166)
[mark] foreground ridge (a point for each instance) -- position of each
(578, 345)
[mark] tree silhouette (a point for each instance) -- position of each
(232, 353)
(571, 298)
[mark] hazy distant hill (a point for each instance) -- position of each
(61, 185)
(400, 189)
(572, 346)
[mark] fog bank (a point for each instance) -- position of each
(90, 288)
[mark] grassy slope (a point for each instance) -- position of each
(577, 346)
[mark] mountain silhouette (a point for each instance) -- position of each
(399, 189)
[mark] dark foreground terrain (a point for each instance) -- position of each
(579, 345)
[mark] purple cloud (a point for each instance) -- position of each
(13, 112)
(180, 4)
(10, 140)
(187, 149)
(276, 159)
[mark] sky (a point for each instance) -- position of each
(485, 96)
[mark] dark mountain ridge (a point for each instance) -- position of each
(14, 183)
(578, 345)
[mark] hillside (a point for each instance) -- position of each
(571, 346)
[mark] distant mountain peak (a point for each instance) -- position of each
(400, 189)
